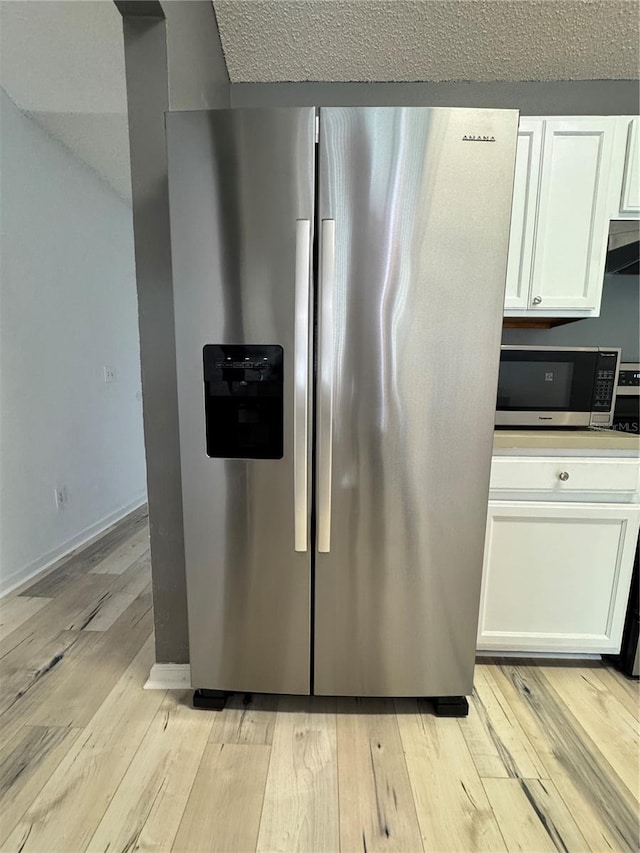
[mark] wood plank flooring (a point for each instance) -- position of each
(548, 758)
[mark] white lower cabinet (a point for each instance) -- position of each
(556, 576)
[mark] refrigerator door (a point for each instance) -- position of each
(415, 207)
(241, 188)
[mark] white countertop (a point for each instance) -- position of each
(540, 442)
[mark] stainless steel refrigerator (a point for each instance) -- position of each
(338, 280)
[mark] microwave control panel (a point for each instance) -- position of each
(604, 386)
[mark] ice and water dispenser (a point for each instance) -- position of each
(243, 388)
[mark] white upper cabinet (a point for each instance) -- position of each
(523, 213)
(625, 170)
(560, 218)
(573, 220)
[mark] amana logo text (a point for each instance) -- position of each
(470, 138)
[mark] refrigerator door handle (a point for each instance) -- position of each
(301, 370)
(325, 390)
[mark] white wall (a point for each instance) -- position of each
(67, 308)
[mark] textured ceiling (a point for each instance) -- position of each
(62, 63)
(430, 40)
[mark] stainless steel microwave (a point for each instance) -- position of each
(557, 386)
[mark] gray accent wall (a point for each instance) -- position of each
(147, 93)
(618, 324)
(168, 64)
(198, 78)
(574, 97)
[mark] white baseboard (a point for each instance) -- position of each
(28, 574)
(169, 676)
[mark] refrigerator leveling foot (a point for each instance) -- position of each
(213, 700)
(451, 706)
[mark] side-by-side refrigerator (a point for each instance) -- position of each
(338, 280)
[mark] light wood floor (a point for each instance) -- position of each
(547, 759)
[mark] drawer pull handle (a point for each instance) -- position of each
(564, 476)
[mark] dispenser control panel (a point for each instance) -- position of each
(244, 404)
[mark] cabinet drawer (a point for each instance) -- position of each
(565, 475)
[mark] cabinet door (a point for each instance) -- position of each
(523, 213)
(572, 222)
(630, 198)
(556, 577)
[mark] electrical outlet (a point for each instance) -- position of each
(61, 496)
(109, 373)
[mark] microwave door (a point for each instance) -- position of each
(537, 384)
(552, 388)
